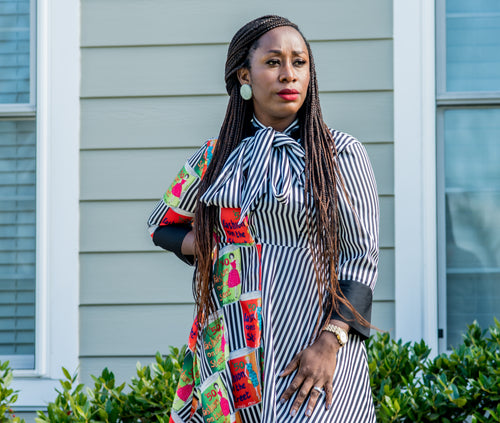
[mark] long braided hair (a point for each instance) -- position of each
(321, 171)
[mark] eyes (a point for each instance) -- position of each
(277, 62)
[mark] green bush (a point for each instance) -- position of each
(407, 386)
(463, 386)
(7, 395)
(149, 399)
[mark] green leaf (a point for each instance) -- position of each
(66, 373)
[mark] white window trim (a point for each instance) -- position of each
(58, 127)
(416, 311)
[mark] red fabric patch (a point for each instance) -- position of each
(259, 252)
(235, 233)
(193, 335)
(172, 217)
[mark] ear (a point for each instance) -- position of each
(244, 76)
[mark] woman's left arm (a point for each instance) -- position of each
(358, 260)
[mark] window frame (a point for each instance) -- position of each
(415, 171)
(26, 109)
(57, 226)
(448, 101)
(454, 98)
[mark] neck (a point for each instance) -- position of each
(278, 125)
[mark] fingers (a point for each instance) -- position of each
(292, 388)
(290, 368)
(314, 394)
(329, 395)
(305, 389)
(302, 394)
(313, 370)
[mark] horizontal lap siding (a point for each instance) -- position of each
(159, 22)
(168, 121)
(152, 91)
(199, 69)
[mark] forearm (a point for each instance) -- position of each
(173, 238)
(187, 247)
(360, 297)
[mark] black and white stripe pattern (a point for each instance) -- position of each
(187, 204)
(358, 221)
(273, 196)
(266, 156)
(234, 314)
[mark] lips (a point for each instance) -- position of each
(289, 95)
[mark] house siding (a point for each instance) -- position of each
(151, 92)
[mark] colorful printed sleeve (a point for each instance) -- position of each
(172, 216)
(358, 232)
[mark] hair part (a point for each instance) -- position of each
(321, 170)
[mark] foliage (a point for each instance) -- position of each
(463, 386)
(7, 395)
(149, 398)
(407, 384)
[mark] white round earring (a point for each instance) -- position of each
(246, 91)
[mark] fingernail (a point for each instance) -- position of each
(308, 412)
(328, 406)
(282, 401)
(281, 373)
(293, 412)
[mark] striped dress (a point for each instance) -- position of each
(265, 282)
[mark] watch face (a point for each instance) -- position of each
(343, 337)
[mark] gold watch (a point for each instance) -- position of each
(340, 333)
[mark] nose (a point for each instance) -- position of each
(287, 72)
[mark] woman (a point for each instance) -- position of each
(292, 206)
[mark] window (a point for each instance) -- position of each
(39, 186)
(468, 136)
(17, 184)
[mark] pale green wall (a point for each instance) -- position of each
(152, 91)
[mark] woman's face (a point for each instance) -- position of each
(279, 76)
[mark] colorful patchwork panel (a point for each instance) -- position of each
(216, 349)
(201, 167)
(214, 400)
(244, 365)
(235, 233)
(227, 276)
(181, 183)
(171, 217)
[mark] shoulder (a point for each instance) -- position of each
(200, 160)
(344, 141)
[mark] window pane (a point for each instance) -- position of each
(473, 45)
(14, 51)
(17, 242)
(472, 186)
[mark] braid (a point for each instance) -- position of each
(321, 170)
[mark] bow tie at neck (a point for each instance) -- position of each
(268, 155)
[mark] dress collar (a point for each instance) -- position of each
(292, 130)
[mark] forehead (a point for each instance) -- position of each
(282, 38)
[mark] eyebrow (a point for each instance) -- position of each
(296, 52)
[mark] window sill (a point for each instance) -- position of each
(34, 393)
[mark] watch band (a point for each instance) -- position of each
(340, 333)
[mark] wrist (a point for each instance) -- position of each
(329, 340)
(339, 330)
(341, 324)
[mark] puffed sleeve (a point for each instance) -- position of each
(358, 234)
(173, 215)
